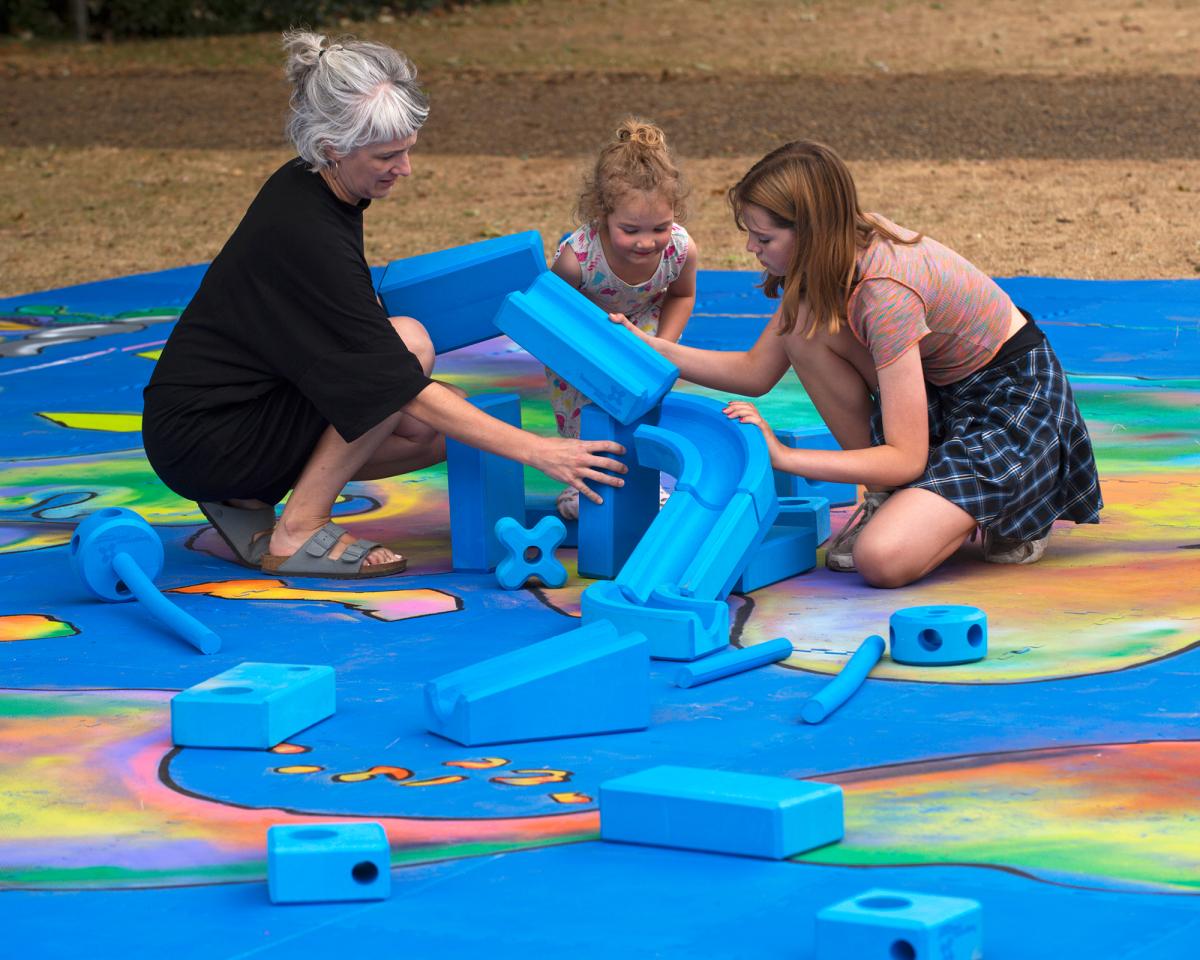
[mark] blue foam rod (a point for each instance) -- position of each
(841, 688)
(163, 610)
(733, 661)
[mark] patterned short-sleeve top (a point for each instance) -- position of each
(641, 303)
(927, 293)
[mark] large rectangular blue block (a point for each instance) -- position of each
(791, 485)
(455, 293)
(574, 337)
(252, 705)
(721, 812)
(483, 487)
(895, 923)
(325, 862)
(585, 681)
(785, 552)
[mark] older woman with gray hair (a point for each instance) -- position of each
(285, 372)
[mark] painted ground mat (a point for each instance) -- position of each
(1057, 781)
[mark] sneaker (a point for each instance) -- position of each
(663, 495)
(998, 549)
(568, 503)
(840, 554)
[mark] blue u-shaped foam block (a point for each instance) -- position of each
(483, 487)
(574, 337)
(455, 293)
(897, 923)
(792, 485)
(679, 627)
(594, 679)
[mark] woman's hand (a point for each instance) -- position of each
(745, 412)
(631, 327)
(574, 462)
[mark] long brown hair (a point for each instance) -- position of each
(636, 159)
(804, 186)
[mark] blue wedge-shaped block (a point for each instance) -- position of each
(483, 487)
(574, 337)
(326, 862)
(721, 812)
(894, 923)
(252, 705)
(784, 552)
(791, 485)
(586, 681)
(679, 627)
(610, 531)
(811, 513)
(455, 293)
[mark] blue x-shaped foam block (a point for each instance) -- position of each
(514, 569)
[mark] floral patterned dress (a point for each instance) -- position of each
(642, 303)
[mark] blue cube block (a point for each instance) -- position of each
(455, 293)
(720, 812)
(791, 485)
(896, 925)
(325, 862)
(785, 552)
(253, 705)
(483, 487)
(938, 636)
(811, 513)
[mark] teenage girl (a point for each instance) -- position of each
(948, 402)
(630, 256)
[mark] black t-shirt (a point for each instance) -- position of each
(289, 300)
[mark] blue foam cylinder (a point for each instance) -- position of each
(733, 661)
(162, 609)
(842, 687)
(938, 635)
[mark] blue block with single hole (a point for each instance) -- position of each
(589, 680)
(529, 552)
(328, 862)
(784, 552)
(455, 293)
(574, 338)
(811, 513)
(721, 812)
(483, 487)
(253, 705)
(938, 635)
(884, 924)
(610, 531)
(791, 485)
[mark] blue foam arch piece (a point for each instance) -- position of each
(544, 537)
(842, 687)
(567, 332)
(455, 293)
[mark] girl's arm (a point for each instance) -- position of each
(680, 299)
(900, 459)
(567, 266)
(749, 372)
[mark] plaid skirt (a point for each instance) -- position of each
(1008, 445)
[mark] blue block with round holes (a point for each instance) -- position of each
(328, 862)
(896, 925)
(938, 636)
(253, 705)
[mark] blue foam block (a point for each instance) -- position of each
(545, 505)
(938, 636)
(252, 705)
(325, 862)
(812, 513)
(896, 924)
(733, 661)
(721, 812)
(574, 337)
(679, 627)
(842, 687)
(784, 552)
(610, 531)
(791, 485)
(455, 293)
(483, 487)
(530, 553)
(585, 681)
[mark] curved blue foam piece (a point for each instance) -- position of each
(567, 332)
(938, 636)
(671, 452)
(842, 687)
(455, 293)
(544, 538)
(678, 627)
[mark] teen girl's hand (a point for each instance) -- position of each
(745, 412)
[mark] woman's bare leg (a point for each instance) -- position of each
(909, 536)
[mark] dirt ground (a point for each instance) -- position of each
(1036, 138)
